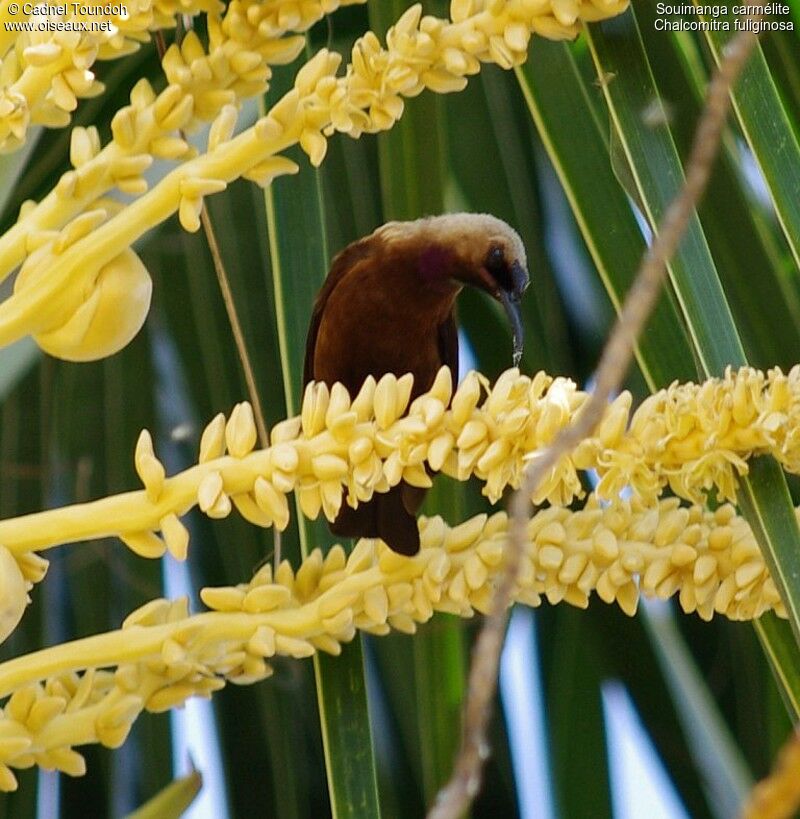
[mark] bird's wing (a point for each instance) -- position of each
(448, 344)
(342, 264)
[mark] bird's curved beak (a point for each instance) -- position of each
(510, 300)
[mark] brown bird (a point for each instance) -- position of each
(387, 306)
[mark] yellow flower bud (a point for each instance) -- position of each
(111, 315)
(13, 593)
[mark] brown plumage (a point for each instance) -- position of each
(387, 305)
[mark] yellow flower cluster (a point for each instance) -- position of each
(68, 248)
(18, 573)
(164, 656)
(423, 52)
(200, 86)
(46, 70)
(698, 437)
(617, 551)
(41, 723)
(83, 322)
(692, 438)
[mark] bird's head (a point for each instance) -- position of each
(469, 248)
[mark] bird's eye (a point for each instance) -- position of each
(497, 266)
(495, 260)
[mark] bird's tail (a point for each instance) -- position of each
(388, 515)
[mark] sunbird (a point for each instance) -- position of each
(388, 306)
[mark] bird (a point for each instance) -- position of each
(387, 305)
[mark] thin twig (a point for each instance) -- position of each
(455, 798)
(233, 317)
(227, 295)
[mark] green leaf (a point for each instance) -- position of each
(504, 183)
(299, 257)
(573, 673)
(269, 729)
(768, 325)
(770, 135)
(724, 772)
(555, 94)
(658, 175)
(780, 49)
(16, 360)
(779, 645)
(628, 653)
(412, 165)
(13, 166)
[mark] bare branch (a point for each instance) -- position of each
(454, 799)
(227, 295)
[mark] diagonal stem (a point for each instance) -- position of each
(455, 798)
(236, 327)
(227, 295)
